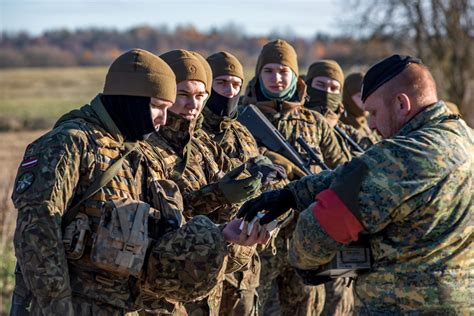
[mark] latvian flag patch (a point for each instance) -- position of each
(30, 162)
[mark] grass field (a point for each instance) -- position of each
(11, 152)
(46, 93)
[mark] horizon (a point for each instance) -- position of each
(293, 19)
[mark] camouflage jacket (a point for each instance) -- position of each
(361, 125)
(363, 140)
(415, 203)
(56, 171)
(196, 163)
(234, 138)
(293, 120)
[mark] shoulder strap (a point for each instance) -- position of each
(98, 184)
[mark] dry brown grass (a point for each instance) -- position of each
(12, 147)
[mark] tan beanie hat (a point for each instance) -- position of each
(278, 52)
(186, 66)
(208, 70)
(327, 68)
(224, 63)
(141, 73)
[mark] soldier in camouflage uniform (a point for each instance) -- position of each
(354, 113)
(207, 177)
(95, 264)
(278, 92)
(277, 66)
(411, 194)
(325, 81)
(220, 122)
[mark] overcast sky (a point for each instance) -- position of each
(303, 17)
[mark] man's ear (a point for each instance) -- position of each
(403, 104)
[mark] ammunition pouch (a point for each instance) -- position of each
(75, 236)
(121, 241)
(353, 260)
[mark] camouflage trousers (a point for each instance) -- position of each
(85, 307)
(339, 297)
(240, 291)
(279, 279)
(448, 292)
(208, 306)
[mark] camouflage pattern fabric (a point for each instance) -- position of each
(362, 129)
(293, 120)
(339, 299)
(279, 279)
(56, 171)
(363, 140)
(196, 163)
(234, 138)
(191, 257)
(416, 202)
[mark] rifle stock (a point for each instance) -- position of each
(266, 134)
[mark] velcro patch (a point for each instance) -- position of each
(24, 182)
(30, 162)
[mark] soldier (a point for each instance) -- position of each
(325, 81)
(205, 175)
(278, 92)
(354, 113)
(93, 201)
(220, 122)
(411, 194)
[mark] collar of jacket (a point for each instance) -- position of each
(275, 108)
(94, 113)
(216, 123)
(356, 121)
(432, 114)
(177, 131)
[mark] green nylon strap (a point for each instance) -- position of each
(98, 184)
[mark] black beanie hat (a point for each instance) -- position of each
(384, 71)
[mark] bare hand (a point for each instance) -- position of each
(233, 234)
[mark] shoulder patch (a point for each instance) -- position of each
(24, 182)
(29, 162)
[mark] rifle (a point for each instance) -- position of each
(311, 153)
(348, 139)
(266, 134)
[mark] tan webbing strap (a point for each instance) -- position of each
(98, 184)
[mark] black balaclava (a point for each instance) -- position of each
(131, 114)
(221, 105)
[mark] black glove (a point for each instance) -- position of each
(276, 203)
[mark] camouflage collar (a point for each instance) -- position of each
(215, 122)
(105, 119)
(177, 131)
(433, 113)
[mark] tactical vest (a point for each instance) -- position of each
(137, 172)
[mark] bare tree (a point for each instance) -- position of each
(440, 32)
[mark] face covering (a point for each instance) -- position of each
(322, 101)
(284, 95)
(221, 105)
(131, 114)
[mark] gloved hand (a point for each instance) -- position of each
(269, 170)
(276, 203)
(292, 171)
(238, 191)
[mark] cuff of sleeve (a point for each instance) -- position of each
(56, 306)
